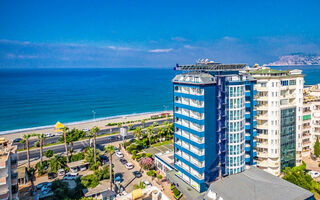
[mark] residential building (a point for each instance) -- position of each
(150, 192)
(254, 184)
(214, 122)
(279, 118)
(8, 171)
(311, 119)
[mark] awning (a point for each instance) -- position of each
(58, 125)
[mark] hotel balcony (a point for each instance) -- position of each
(274, 164)
(262, 126)
(262, 144)
(247, 147)
(262, 98)
(4, 194)
(247, 115)
(262, 107)
(189, 102)
(262, 117)
(263, 164)
(247, 126)
(254, 133)
(261, 89)
(190, 136)
(187, 124)
(262, 136)
(247, 104)
(254, 144)
(262, 154)
(247, 158)
(247, 136)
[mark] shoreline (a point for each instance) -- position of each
(99, 122)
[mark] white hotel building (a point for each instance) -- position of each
(279, 118)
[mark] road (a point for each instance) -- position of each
(55, 139)
(80, 145)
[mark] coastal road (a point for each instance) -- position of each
(80, 145)
(55, 139)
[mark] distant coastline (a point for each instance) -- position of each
(296, 59)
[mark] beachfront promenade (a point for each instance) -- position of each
(80, 145)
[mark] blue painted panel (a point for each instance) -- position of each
(254, 123)
(247, 160)
(254, 133)
(247, 94)
(254, 113)
(247, 126)
(255, 92)
(200, 146)
(247, 116)
(248, 105)
(255, 102)
(247, 138)
(254, 163)
(254, 154)
(201, 122)
(247, 149)
(254, 143)
(200, 110)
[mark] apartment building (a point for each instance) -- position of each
(311, 118)
(214, 120)
(8, 171)
(279, 118)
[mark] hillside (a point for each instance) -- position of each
(296, 59)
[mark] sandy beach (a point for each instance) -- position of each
(101, 123)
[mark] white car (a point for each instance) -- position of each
(61, 172)
(314, 174)
(119, 154)
(147, 183)
(59, 133)
(74, 169)
(49, 135)
(129, 165)
(86, 130)
(84, 168)
(70, 176)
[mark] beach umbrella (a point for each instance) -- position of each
(59, 125)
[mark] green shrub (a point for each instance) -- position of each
(49, 153)
(176, 192)
(77, 157)
(36, 144)
(151, 173)
(149, 155)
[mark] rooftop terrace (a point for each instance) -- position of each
(206, 65)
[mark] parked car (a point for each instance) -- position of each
(86, 130)
(61, 172)
(147, 183)
(52, 175)
(83, 168)
(123, 161)
(137, 174)
(74, 169)
(129, 165)
(119, 154)
(70, 176)
(16, 140)
(314, 174)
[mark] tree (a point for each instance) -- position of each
(147, 163)
(74, 135)
(41, 138)
(110, 150)
(155, 124)
(60, 189)
(48, 153)
(31, 172)
(93, 134)
(130, 127)
(25, 139)
(317, 148)
(150, 133)
(65, 132)
(143, 122)
(57, 162)
(89, 157)
(160, 131)
(138, 132)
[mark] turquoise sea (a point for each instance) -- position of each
(40, 97)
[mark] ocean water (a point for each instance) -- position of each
(40, 97)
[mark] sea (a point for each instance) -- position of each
(41, 97)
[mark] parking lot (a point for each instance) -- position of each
(128, 178)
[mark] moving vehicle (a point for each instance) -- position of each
(86, 130)
(129, 165)
(16, 140)
(59, 133)
(49, 135)
(119, 154)
(137, 174)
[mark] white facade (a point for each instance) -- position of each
(276, 90)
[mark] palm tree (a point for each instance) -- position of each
(41, 138)
(110, 150)
(155, 124)
(150, 132)
(160, 131)
(56, 162)
(143, 122)
(30, 172)
(26, 140)
(93, 133)
(65, 132)
(137, 132)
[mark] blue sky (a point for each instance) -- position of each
(118, 33)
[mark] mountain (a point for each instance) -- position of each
(296, 59)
